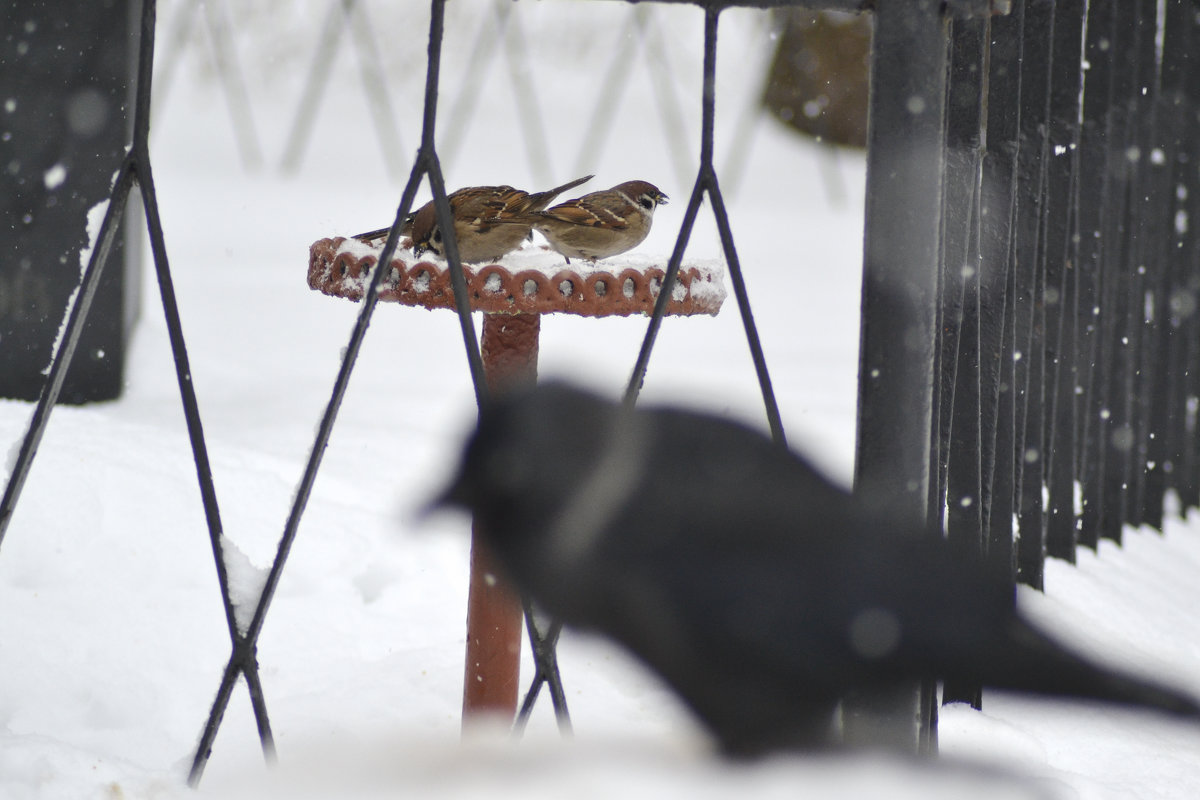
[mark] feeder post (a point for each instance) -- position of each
(509, 347)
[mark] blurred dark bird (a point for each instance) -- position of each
(757, 589)
(478, 212)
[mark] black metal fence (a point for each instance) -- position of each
(1029, 354)
(1066, 324)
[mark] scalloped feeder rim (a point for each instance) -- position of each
(533, 280)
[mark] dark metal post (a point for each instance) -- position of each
(1030, 452)
(960, 479)
(1060, 255)
(896, 358)
(1097, 201)
(996, 341)
(66, 93)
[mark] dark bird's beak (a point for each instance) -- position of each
(455, 496)
(662, 199)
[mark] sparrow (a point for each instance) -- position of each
(758, 589)
(600, 224)
(479, 213)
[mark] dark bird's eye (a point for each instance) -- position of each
(647, 202)
(437, 236)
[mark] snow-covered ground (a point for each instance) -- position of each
(112, 636)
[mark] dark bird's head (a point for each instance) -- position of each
(543, 473)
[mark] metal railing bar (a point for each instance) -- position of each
(1095, 206)
(1117, 305)
(1142, 133)
(70, 339)
(1179, 84)
(1029, 456)
(998, 202)
(895, 438)
(1061, 288)
(1154, 233)
(960, 471)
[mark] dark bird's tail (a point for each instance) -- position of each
(1037, 664)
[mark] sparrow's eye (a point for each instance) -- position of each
(437, 236)
(647, 202)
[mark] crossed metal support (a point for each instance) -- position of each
(343, 14)
(544, 643)
(706, 183)
(228, 68)
(502, 23)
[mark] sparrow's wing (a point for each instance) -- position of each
(501, 202)
(589, 214)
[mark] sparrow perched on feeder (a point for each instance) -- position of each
(760, 591)
(600, 224)
(480, 214)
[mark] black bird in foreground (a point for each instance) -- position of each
(757, 589)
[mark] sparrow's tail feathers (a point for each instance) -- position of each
(371, 236)
(540, 200)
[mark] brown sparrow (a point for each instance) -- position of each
(600, 224)
(478, 212)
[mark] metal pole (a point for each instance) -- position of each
(905, 155)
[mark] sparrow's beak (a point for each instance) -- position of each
(662, 199)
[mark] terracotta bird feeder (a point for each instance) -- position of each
(512, 294)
